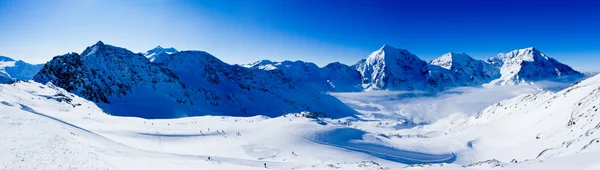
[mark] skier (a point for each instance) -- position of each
(265, 165)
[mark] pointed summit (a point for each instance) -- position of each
(390, 68)
(99, 43)
(529, 65)
(452, 59)
(100, 47)
(387, 47)
(158, 51)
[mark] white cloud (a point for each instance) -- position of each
(423, 108)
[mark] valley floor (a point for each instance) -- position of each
(44, 127)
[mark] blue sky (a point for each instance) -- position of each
(243, 31)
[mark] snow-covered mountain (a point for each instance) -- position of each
(530, 65)
(333, 77)
(158, 50)
(123, 83)
(394, 69)
(460, 69)
(181, 84)
(236, 90)
(11, 70)
(390, 68)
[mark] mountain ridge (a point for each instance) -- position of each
(182, 84)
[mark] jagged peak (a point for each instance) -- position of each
(457, 56)
(105, 48)
(99, 43)
(160, 49)
(263, 62)
(524, 54)
(451, 59)
(387, 53)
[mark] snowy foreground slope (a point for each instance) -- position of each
(558, 130)
(46, 126)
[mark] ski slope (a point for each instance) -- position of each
(45, 126)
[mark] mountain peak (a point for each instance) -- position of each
(530, 49)
(451, 59)
(103, 48)
(4, 58)
(157, 51)
(99, 43)
(528, 65)
(160, 49)
(387, 47)
(524, 54)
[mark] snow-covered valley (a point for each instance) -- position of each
(46, 126)
(110, 108)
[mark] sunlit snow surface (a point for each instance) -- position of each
(44, 127)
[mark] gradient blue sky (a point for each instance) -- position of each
(243, 31)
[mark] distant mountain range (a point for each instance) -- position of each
(390, 68)
(11, 70)
(167, 83)
(181, 84)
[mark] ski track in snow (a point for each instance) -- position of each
(122, 147)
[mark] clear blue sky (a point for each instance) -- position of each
(243, 31)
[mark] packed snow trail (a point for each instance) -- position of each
(348, 138)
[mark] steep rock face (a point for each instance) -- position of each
(529, 65)
(11, 70)
(236, 90)
(459, 69)
(122, 82)
(394, 69)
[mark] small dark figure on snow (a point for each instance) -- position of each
(265, 165)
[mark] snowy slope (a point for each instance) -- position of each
(333, 77)
(11, 70)
(528, 128)
(46, 126)
(62, 131)
(529, 65)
